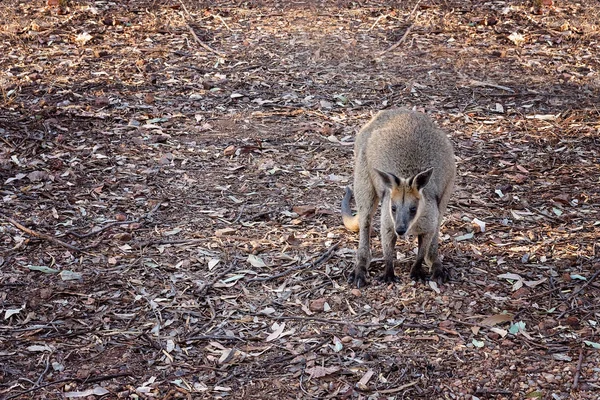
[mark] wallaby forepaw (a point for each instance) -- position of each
(358, 279)
(440, 274)
(418, 274)
(388, 278)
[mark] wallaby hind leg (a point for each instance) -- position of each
(366, 204)
(439, 272)
(388, 242)
(417, 273)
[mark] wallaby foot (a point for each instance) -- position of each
(440, 273)
(417, 273)
(387, 278)
(388, 274)
(358, 278)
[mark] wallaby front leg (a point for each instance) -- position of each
(363, 254)
(439, 272)
(417, 273)
(388, 243)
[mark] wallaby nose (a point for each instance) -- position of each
(400, 231)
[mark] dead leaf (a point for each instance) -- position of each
(304, 210)
(277, 331)
(496, 319)
(319, 372)
(256, 261)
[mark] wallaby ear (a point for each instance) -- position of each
(390, 180)
(421, 179)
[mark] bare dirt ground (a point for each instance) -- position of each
(171, 177)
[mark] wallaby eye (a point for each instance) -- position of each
(394, 209)
(413, 210)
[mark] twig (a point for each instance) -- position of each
(493, 391)
(377, 21)
(40, 235)
(105, 227)
(578, 370)
(399, 388)
(205, 288)
(312, 264)
(222, 21)
(213, 337)
(281, 359)
(578, 291)
(196, 38)
(399, 42)
(78, 380)
(201, 43)
(340, 322)
(41, 377)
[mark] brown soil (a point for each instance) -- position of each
(171, 177)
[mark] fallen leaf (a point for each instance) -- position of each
(516, 38)
(97, 391)
(12, 311)
(224, 232)
(496, 319)
(66, 275)
(304, 210)
(277, 331)
(319, 372)
(41, 268)
(255, 261)
(83, 38)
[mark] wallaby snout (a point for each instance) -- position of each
(403, 159)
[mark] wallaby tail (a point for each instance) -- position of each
(350, 221)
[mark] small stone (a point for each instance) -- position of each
(317, 305)
(229, 150)
(356, 292)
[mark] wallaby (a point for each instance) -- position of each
(404, 160)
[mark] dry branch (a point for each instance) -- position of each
(326, 256)
(399, 42)
(202, 44)
(40, 235)
(196, 38)
(578, 370)
(205, 288)
(586, 284)
(78, 380)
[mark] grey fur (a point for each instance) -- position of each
(404, 150)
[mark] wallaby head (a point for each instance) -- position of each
(404, 198)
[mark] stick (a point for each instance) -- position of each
(213, 337)
(377, 21)
(40, 235)
(110, 225)
(205, 288)
(578, 291)
(326, 256)
(399, 42)
(223, 21)
(78, 380)
(340, 322)
(578, 370)
(201, 43)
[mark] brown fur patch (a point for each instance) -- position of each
(399, 193)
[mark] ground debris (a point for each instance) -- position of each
(171, 178)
